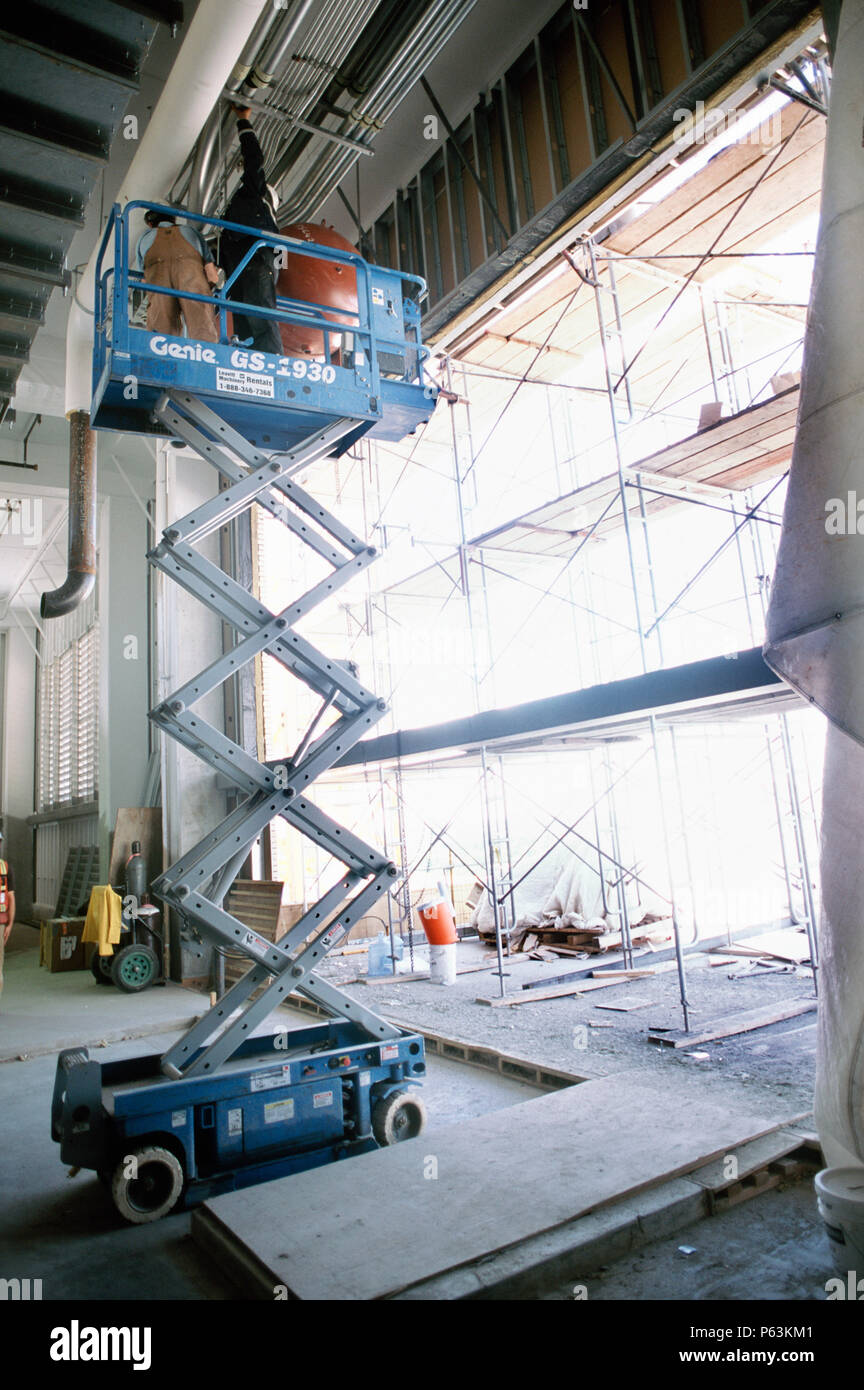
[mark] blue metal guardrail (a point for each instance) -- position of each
(384, 334)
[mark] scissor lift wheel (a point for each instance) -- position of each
(399, 1116)
(147, 1184)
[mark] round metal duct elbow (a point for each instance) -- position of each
(81, 562)
(72, 592)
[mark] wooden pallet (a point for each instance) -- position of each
(592, 940)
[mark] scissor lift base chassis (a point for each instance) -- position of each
(285, 1102)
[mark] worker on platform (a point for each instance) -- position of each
(253, 204)
(178, 258)
(7, 906)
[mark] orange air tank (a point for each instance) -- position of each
(317, 281)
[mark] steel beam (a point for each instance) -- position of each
(737, 676)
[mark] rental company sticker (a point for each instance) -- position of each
(271, 1079)
(243, 383)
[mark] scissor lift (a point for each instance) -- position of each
(225, 1107)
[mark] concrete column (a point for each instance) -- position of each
(123, 667)
(188, 638)
(815, 636)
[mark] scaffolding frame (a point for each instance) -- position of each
(750, 519)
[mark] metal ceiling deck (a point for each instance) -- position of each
(68, 69)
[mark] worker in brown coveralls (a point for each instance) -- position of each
(178, 258)
(7, 906)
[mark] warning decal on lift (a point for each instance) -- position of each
(269, 1080)
(277, 1111)
(235, 1121)
(243, 383)
(321, 1099)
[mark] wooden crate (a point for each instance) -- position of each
(61, 945)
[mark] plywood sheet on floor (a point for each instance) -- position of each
(379, 1224)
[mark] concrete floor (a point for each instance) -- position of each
(773, 1247)
(66, 1231)
(41, 1013)
(777, 1063)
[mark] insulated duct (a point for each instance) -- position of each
(815, 625)
(215, 39)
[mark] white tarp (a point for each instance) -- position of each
(815, 628)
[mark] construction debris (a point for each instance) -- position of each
(735, 1023)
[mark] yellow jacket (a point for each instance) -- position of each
(103, 918)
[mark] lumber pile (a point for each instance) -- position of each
(789, 946)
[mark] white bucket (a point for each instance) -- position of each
(442, 965)
(840, 1197)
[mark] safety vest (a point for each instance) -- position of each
(4, 893)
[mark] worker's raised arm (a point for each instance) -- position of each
(254, 177)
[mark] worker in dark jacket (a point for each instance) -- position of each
(252, 205)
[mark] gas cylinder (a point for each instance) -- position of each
(136, 873)
(319, 282)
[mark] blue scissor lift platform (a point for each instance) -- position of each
(225, 1106)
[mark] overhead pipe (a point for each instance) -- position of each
(424, 35)
(217, 34)
(256, 74)
(385, 93)
(207, 141)
(264, 69)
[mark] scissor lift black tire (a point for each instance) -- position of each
(399, 1116)
(100, 968)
